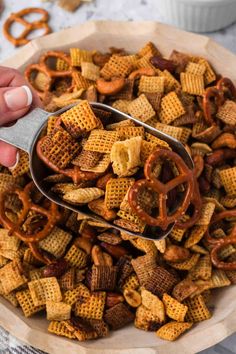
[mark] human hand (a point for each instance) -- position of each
(16, 98)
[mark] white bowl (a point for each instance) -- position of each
(198, 15)
(128, 340)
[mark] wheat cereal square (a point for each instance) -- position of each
(172, 330)
(11, 276)
(116, 190)
(57, 311)
(195, 68)
(192, 84)
(151, 84)
(90, 71)
(78, 56)
(45, 289)
(26, 303)
(56, 242)
(171, 108)
(80, 119)
(101, 140)
(174, 309)
(141, 109)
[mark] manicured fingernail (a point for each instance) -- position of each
(17, 161)
(18, 98)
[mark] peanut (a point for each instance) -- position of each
(84, 243)
(132, 297)
(97, 256)
(110, 87)
(142, 71)
(176, 254)
(108, 259)
(98, 207)
(224, 140)
(198, 165)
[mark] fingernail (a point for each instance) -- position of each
(18, 98)
(16, 163)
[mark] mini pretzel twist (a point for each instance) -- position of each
(217, 93)
(74, 173)
(196, 202)
(51, 213)
(51, 74)
(29, 26)
(151, 183)
(211, 93)
(226, 85)
(220, 243)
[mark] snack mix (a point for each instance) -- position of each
(86, 277)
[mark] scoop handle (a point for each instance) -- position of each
(24, 132)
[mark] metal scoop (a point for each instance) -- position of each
(24, 134)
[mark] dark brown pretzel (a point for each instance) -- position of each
(51, 74)
(151, 183)
(211, 93)
(51, 213)
(218, 94)
(29, 26)
(219, 243)
(225, 85)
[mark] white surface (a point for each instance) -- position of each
(198, 15)
(126, 10)
(115, 10)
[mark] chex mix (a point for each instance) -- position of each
(87, 278)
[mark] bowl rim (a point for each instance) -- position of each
(9, 318)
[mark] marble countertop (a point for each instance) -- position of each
(126, 10)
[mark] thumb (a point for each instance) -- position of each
(14, 103)
(9, 157)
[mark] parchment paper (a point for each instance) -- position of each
(131, 36)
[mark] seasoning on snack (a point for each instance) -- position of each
(88, 278)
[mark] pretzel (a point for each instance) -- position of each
(226, 84)
(51, 213)
(216, 94)
(51, 74)
(153, 184)
(29, 26)
(219, 243)
(75, 173)
(196, 200)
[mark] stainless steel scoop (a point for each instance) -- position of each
(25, 132)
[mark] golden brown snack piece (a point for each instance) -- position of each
(52, 216)
(152, 183)
(120, 267)
(70, 6)
(29, 26)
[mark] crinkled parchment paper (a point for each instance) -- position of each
(130, 35)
